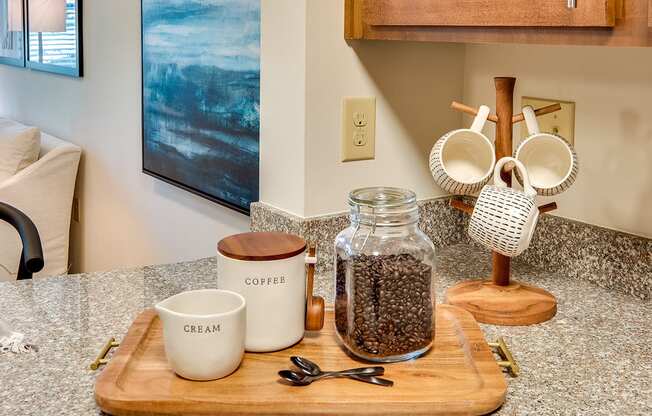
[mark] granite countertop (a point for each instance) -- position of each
(593, 358)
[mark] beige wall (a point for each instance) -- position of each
(283, 104)
(613, 90)
(127, 218)
(414, 84)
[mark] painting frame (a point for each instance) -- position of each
(246, 210)
(18, 62)
(78, 70)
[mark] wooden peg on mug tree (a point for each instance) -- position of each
(552, 108)
(499, 300)
(315, 305)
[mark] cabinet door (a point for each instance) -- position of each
(491, 13)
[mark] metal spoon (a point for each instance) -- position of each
(301, 379)
(298, 379)
(312, 369)
(373, 380)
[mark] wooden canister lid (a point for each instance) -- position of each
(261, 246)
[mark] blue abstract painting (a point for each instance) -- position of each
(201, 96)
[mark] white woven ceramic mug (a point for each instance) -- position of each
(504, 219)
(550, 160)
(462, 160)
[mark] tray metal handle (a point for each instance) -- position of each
(508, 362)
(101, 357)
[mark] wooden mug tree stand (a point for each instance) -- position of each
(501, 301)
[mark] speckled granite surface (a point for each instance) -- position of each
(567, 363)
(70, 319)
(609, 258)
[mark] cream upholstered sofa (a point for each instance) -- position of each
(44, 192)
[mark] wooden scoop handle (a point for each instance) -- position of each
(314, 304)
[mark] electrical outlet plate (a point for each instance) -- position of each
(561, 122)
(358, 128)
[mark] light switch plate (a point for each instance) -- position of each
(358, 128)
(561, 122)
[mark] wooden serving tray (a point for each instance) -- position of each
(458, 376)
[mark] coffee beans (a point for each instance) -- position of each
(387, 308)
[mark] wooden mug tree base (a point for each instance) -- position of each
(499, 301)
(514, 304)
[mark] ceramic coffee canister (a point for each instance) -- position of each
(269, 270)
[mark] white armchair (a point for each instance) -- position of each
(44, 192)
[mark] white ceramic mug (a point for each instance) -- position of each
(462, 160)
(204, 332)
(550, 160)
(503, 218)
(276, 298)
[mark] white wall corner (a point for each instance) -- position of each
(283, 104)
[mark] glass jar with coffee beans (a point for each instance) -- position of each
(384, 289)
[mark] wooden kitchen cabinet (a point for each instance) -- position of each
(591, 22)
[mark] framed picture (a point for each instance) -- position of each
(54, 42)
(45, 35)
(12, 30)
(201, 97)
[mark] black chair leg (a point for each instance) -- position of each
(31, 256)
(23, 273)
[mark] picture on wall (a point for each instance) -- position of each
(54, 36)
(201, 96)
(43, 35)
(12, 45)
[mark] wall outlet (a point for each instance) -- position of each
(358, 128)
(561, 123)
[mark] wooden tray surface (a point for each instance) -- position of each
(458, 376)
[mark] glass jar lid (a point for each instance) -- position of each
(383, 206)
